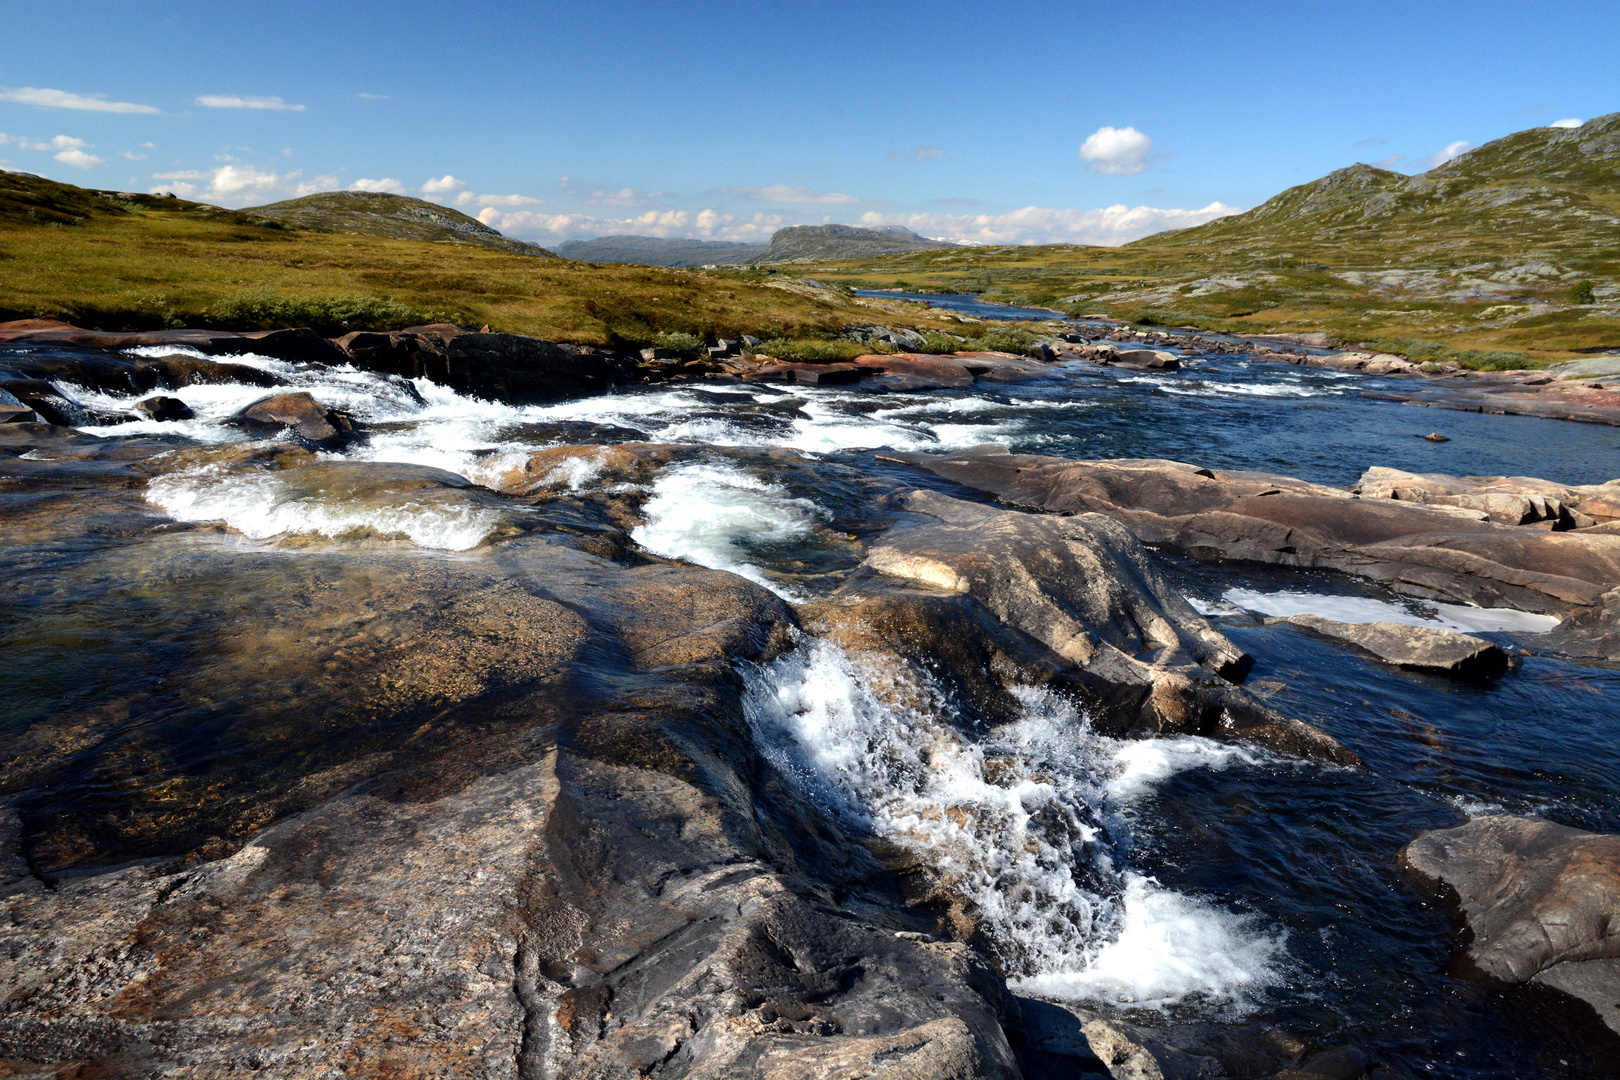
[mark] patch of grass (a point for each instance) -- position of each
(1581, 293)
(813, 350)
(332, 316)
(1473, 359)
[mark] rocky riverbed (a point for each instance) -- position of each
(454, 704)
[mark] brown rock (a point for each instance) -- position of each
(300, 414)
(992, 598)
(1426, 648)
(1542, 903)
(162, 407)
(1421, 550)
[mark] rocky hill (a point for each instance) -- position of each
(658, 251)
(817, 243)
(1546, 194)
(1507, 252)
(377, 213)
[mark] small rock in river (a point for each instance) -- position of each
(1435, 436)
(163, 407)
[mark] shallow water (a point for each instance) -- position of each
(1178, 878)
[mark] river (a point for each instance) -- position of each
(1176, 880)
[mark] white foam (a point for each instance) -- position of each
(710, 514)
(261, 505)
(1025, 825)
(1140, 764)
(1364, 609)
(1168, 947)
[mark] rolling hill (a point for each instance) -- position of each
(1514, 245)
(125, 261)
(377, 213)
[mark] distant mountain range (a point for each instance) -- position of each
(798, 244)
(657, 251)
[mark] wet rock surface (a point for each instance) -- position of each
(1067, 600)
(508, 367)
(1541, 903)
(1424, 551)
(1425, 648)
(493, 816)
(299, 415)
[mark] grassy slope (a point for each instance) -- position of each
(1480, 253)
(144, 262)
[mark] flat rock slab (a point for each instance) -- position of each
(1436, 552)
(1542, 902)
(1426, 648)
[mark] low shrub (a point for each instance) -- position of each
(1582, 293)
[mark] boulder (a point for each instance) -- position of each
(1425, 648)
(297, 346)
(569, 467)
(163, 407)
(506, 367)
(1147, 359)
(1427, 551)
(299, 414)
(1541, 901)
(992, 599)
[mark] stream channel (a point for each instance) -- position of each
(1216, 881)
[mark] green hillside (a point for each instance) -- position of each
(1514, 245)
(123, 261)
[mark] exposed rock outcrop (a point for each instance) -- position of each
(1432, 552)
(1506, 500)
(508, 367)
(1426, 648)
(993, 598)
(1542, 904)
(495, 815)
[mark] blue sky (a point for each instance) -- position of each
(729, 120)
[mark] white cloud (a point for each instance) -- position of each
(78, 159)
(388, 184)
(921, 153)
(234, 101)
(471, 198)
(623, 197)
(1572, 122)
(1117, 151)
(1107, 227)
(441, 185)
(787, 193)
(373, 97)
(61, 99)
(130, 155)
(704, 224)
(1440, 157)
(1031, 225)
(241, 185)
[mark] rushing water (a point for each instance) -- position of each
(1177, 877)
